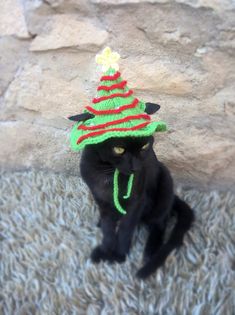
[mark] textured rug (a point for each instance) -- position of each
(48, 228)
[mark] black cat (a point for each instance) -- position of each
(152, 200)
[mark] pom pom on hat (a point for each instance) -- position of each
(108, 59)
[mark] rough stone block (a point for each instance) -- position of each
(12, 20)
(68, 31)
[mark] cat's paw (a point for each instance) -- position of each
(149, 254)
(98, 254)
(143, 273)
(151, 266)
(119, 258)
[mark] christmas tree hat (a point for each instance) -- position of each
(114, 112)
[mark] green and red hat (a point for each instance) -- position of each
(115, 111)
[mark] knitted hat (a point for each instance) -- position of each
(114, 112)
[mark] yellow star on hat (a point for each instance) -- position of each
(108, 59)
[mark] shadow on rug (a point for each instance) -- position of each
(48, 228)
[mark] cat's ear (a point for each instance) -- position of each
(81, 117)
(151, 108)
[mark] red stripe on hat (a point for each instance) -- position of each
(115, 122)
(112, 87)
(113, 111)
(111, 77)
(104, 98)
(100, 132)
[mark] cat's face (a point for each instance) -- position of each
(126, 154)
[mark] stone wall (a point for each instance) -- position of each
(178, 53)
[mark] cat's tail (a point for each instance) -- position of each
(185, 218)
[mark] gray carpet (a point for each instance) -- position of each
(48, 228)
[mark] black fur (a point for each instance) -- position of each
(151, 108)
(152, 201)
(81, 117)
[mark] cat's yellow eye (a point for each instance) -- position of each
(118, 150)
(145, 146)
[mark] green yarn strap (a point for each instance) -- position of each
(116, 191)
(129, 187)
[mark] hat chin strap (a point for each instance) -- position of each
(116, 190)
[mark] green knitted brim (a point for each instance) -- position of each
(144, 132)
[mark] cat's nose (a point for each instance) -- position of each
(135, 169)
(136, 165)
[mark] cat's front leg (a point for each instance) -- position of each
(105, 250)
(125, 232)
